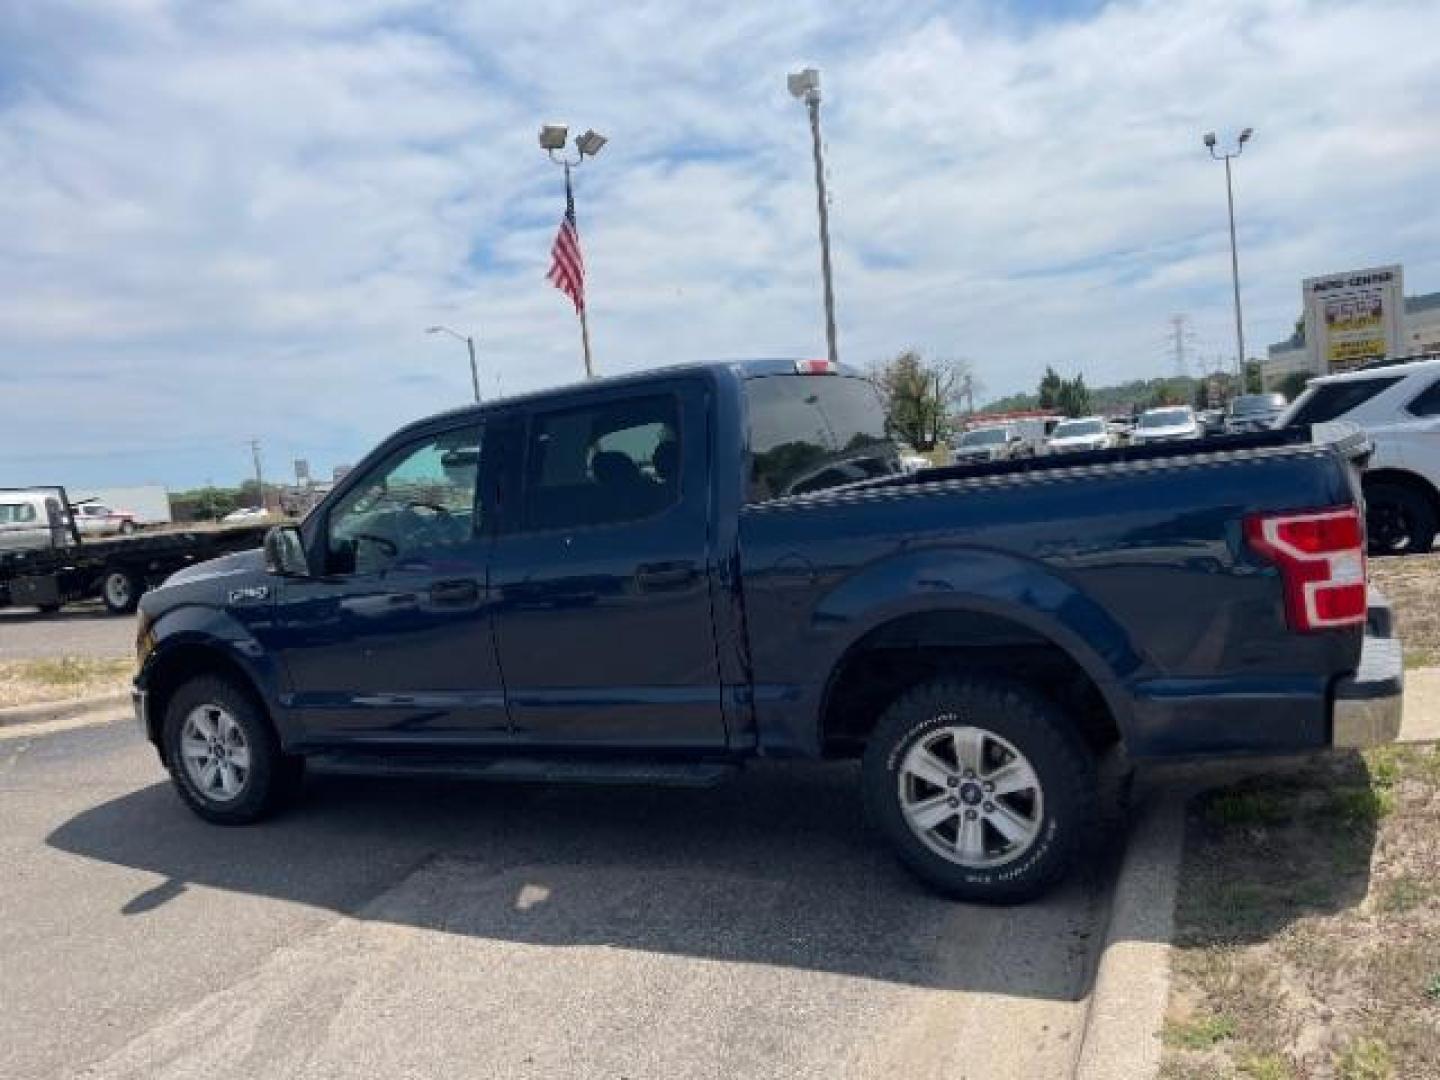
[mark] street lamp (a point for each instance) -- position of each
(552, 141)
(1234, 258)
(470, 347)
(805, 86)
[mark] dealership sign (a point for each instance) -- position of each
(1354, 317)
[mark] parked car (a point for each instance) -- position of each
(626, 553)
(97, 519)
(1211, 421)
(910, 460)
(1254, 412)
(1398, 407)
(246, 514)
(994, 443)
(1084, 433)
(1165, 425)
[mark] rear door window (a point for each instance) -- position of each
(1331, 401)
(603, 464)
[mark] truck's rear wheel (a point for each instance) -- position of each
(222, 754)
(982, 788)
(1399, 519)
(120, 589)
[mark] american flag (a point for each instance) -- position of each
(567, 269)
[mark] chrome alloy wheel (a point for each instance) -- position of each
(215, 754)
(117, 589)
(970, 796)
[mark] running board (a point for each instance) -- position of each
(528, 769)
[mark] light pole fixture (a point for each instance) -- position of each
(567, 271)
(470, 347)
(1234, 257)
(805, 86)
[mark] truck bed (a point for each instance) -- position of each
(1344, 439)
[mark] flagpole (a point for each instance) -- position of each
(584, 322)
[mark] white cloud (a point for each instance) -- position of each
(232, 220)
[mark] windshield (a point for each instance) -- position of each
(1072, 428)
(811, 432)
(1257, 403)
(1165, 418)
(983, 437)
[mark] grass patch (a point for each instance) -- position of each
(1365, 1059)
(1403, 894)
(1266, 1067)
(27, 682)
(1247, 808)
(1198, 1034)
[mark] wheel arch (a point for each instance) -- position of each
(173, 665)
(908, 648)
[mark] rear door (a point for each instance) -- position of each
(601, 573)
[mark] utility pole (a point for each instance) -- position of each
(806, 86)
(259, 478)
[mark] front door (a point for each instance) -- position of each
(392, 641)
(601, 575)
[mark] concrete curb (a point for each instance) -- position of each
(61, 710)
(1121, 1037)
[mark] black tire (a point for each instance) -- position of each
(47, 609)
(126, 528)
(120, 590)
(1063, 809)
(1399, 519)
(271, 779)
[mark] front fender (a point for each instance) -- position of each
(181, 633)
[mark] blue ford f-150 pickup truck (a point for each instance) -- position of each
(655, 577)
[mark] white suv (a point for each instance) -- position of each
(1398, 406)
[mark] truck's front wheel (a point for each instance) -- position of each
(982, 788)
(223, 755)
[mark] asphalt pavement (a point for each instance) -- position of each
(75, 630)
(756, 929)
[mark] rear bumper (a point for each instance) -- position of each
(1367, 705)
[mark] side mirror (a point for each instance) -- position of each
(285, 553)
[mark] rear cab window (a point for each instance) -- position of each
(812, 432)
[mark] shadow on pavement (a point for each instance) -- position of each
(775, 868)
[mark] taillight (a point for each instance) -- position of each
(1321, 556)
(815, 367)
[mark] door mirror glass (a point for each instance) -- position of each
(285, 553)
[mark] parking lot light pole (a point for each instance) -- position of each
(805, 85)
(552, 141)
(1234, 258)
(470, 346)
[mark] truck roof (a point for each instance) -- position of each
(747, 368)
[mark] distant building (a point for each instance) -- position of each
(1421, 335)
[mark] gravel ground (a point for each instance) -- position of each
(1412, 583)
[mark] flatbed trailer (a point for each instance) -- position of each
(117, 570)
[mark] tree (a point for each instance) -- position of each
(918, 396)
(1202, 394)
(1050, 386)
(1254, 382)
(1073, 398)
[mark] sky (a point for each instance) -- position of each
(221, 222)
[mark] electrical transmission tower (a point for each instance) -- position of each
(1181, 337)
